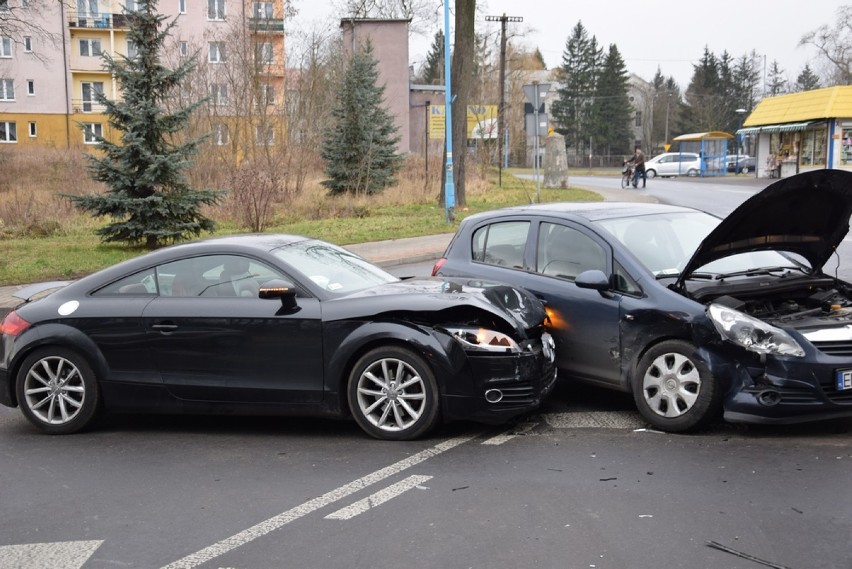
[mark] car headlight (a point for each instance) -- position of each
(483, 339)
(752, 334)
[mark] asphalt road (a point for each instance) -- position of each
(581, 484)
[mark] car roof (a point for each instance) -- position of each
(589, 211)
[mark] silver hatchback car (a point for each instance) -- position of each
(673, 164)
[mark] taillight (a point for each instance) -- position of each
(438, 266)
(13, 324)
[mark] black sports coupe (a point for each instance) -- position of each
(274, 324)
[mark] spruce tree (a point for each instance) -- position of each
(148, 195)
(433, 72)
(611, 111)
(807, 80)
(360, 149)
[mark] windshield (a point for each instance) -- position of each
(332, 268)
(665, 242)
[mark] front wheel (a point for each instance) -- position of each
(650, 173)
(57, 391)
(673, 390)
(626, 180)
(393, 394)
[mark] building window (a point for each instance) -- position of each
(89, 94)
(638, 118)
(215, 9)
(8, 132)
(132, 50)
(28, 44)
(216, 50)
(7, 90)
(5, 47)
(131, 6)
(92, 131)
(221, 134)
(90, 48)
(184, 48)
(264, 135)
(87, 9)
(263, 10)
(181, 6)
(219, 94)
(265, 53)
(30, 87)
(266, 96)
(32, 129)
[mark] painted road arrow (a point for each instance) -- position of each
(59, 555)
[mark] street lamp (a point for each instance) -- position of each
(740, 114)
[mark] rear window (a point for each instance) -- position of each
(501, 244)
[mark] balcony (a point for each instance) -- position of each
(266, 25)
(101, 21)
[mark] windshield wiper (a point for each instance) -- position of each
(757, 271)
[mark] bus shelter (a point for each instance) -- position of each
(712, 147)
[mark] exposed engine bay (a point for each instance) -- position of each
(801, 302)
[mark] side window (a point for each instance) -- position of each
(214, 275)
(564, 252)
(143, 283)
(501, 244)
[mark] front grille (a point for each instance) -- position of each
(830, 389)
(835, 348)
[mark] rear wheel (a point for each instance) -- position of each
(650, 173)
(57, 391)
(393, 394)
(692, 172)
(674, 390)
(744, 170)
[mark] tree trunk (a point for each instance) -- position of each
(461, 76)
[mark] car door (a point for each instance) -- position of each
(585, 322)
(212, 342)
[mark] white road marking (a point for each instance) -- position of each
(378, 498)
(521, 429)
(594, 420)
(65, 554)
(293, 514)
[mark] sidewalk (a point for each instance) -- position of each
(384, 253)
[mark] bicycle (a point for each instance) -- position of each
(627, 175)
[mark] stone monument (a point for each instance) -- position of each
(555, 162)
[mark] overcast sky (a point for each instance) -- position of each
(668, 34)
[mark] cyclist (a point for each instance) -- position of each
(638, 160)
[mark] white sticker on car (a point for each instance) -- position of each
(69, 308)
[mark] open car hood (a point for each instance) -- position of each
(807, 214)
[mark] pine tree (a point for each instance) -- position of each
(433, 72)
(580, 63)
(807, 80)
(776, 84)
(611, 110)
(360, 150)
(147, 194)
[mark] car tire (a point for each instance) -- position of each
(744, 170)
(674, 390)
(692, 172)
(58, 391)
(650, 173)
(393, 394)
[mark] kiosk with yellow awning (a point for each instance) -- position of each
(803, 131)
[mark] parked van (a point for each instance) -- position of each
(673, 164)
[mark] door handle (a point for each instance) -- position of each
(165, 326)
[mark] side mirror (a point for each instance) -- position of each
(279, 288)
(593, 279)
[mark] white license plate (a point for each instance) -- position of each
(844, 379)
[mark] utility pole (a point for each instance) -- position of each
(501, 120)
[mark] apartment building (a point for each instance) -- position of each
(48, 83)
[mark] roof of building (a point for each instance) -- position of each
(831, 102)
(702, 136)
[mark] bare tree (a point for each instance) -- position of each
(834, 45)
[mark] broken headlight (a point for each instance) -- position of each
(483, 339)
(752, 334)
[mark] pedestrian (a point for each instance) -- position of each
(638, 160)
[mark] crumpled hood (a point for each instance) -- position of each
(806, 214)
(518, 307)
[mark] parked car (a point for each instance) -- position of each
(732, 159)
(744, 166)
(692, 314)
(274, 324)
(673, 164)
